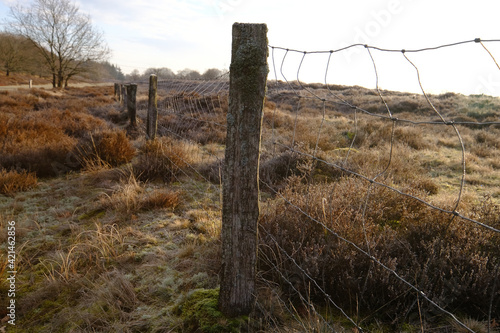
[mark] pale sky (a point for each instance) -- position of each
(197, 34)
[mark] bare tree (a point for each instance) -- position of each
(64, 37)
(18, 54)
(162, 73)
(211, 74)
(12, 52)
(189, 74)
(135, 75)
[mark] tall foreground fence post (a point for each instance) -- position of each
(152, 121)
(240, 207)
(131, 103)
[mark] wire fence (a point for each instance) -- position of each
(368, 216)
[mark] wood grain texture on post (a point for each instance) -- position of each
(240, 209)
(131, 103)
(152, 120)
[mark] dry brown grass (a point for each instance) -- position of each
(44, 131)
(422, 244)
(111, 147)
(114, 248)
(163, 159)
(404, 234)
(197, 118)
(163, 199)
(129, 197)
(13, 181)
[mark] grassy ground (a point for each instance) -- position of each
(97, 249)
(21, 79)
(116, 234)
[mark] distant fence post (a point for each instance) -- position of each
(31, 84)
(124, 94)
(152, 121)
(131, 103)
(240, 207)
(117, 91)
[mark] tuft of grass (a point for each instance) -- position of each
(108, 303)
(161, 159)
(126, 196)
(14, 181)
(130, 197)
(199, 312)
(472, 324)
(111, 147)
(161, 199)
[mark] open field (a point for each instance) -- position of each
(15, 79)
(21, 81)
(117, 234)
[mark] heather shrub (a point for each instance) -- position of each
(333, 230)
(42, 132)
(110, 147)
(275, 171)
(412, 136)
(199, 119)
(164, 199)
(75, 124)
(12, 101)
(212, 171)
(163, 158)
(16, 181)
(46, 156)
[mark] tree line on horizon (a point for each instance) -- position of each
(167, 73)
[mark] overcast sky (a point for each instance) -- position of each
(197, 34)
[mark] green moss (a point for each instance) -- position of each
(97, 213)
(198, 311)
(393, 224)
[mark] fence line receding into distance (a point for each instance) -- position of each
(335, 158)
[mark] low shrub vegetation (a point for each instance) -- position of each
(110, 147)
(122, 234)
(162, 159)
(13, 181)
(332, 241)
(44, 133)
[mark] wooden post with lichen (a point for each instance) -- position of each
(152, 121)
(131, 103)
(240, 207)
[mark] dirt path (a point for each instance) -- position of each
(49, 86)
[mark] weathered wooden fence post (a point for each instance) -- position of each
(240, 207)
(117, 91)
(152, 121)
(131, 103)
(120, 87)
(124, 95)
